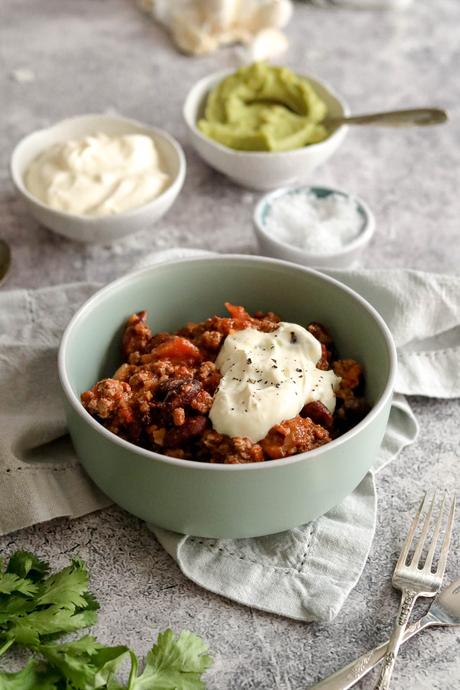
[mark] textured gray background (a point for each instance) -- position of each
(96, 56)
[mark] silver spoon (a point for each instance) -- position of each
(5, 260)
(445, 611)
(393, 118)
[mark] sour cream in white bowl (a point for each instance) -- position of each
(98, 178)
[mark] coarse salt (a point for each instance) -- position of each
(318, 225)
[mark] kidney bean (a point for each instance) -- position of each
(177, 393)
(193, 426)
(318, 413)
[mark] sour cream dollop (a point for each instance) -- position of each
(268, 378)
(98, 175)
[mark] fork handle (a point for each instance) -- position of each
(357, 669)
(405, 608)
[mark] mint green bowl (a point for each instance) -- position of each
(224, 500)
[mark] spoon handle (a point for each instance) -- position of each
(5, 260)
(395, 118)
(349, 675)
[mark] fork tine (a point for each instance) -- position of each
(445, 545)
(426, 525)
(410, 535)
(434, 541)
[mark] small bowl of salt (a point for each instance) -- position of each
(314, 226)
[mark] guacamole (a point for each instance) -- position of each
(264, 108)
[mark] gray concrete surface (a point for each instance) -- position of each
(90, 56)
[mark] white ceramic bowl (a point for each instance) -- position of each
(278, 249)
(261, 170)
(83, 228)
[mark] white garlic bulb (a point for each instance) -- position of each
(201, 26)
(271, 14)
(266, 44)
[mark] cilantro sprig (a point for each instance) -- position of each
(36, 608)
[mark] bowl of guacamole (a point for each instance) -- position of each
(261, 107)
(262, 125)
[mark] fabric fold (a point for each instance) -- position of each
(312, 589)
(41, 477)
(432, 373)
(423, 313)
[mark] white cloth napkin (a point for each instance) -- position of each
(305, 573)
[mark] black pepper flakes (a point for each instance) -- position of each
(293, 337)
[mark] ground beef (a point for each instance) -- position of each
(137, 334)
(351, 374)
(109, 401)
(297, 435)
(230, 451)
(161, 395)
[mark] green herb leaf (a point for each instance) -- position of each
(67, 587)
(10, 583)
(26, 564)
(85, 663)
(19, 585)
(91, 603)
(174, 664)
(5, 646)
(36, 607)
(34, 676)
(32, 612)
(29, 629)
(13, 606)
(107, 661)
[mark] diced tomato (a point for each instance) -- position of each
(177, 349)
(238, 313)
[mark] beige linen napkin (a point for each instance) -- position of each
(305, 573)
(41, 477)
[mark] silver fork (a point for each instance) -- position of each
(415, 581)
